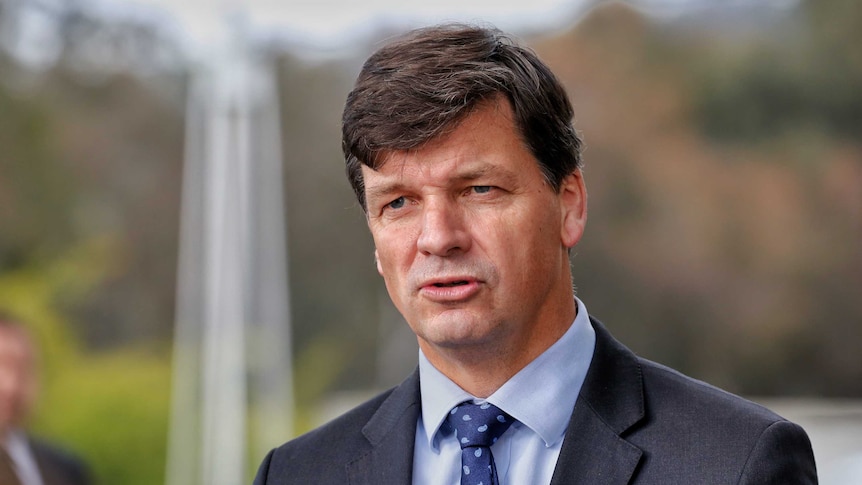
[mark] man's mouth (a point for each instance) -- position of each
(450, 290)
(450, 284)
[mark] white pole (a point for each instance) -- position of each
(232, 346)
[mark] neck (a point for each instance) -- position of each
(482, 369)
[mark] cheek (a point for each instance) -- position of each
(392, 255)
(533, 245)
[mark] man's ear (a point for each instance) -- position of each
(377, 262)
(573, 208)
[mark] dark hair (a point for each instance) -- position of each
(420, 86)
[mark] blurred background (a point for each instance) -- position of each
(723, 163)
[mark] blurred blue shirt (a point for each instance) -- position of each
(541, 397)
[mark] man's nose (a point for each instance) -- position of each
(443, 230)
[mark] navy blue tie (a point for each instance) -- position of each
(477, 427)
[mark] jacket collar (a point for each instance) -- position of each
(611, 402)
(391, 432)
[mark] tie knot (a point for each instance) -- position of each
(478, 424)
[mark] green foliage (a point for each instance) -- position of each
(33, 186)
(113, 409)
(317, 368)
(807, 80)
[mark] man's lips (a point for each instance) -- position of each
(450, 289)
(450, 283)
(447, 282)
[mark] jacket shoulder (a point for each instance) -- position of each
(58, 465)
(328, 448)
(691, 425)
(670, 392)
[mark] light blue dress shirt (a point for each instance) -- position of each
(18, 447)
(541, 397)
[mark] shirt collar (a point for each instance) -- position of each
(541, 396)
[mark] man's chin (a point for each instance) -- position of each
(452, 332)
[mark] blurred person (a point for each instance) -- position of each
(460, 148)
(25, 460)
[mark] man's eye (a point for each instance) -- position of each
(481, 189)
(396, 204)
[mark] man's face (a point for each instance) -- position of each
(17, 381)
(472, 241)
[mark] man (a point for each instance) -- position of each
(460, 148)
(24, 460)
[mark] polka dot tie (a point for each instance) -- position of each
(477, 427)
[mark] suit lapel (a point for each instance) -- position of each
(391, 433)
(611, 401)
(50, 465)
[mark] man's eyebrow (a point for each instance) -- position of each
(474, 174)
(498, 173)
(383, 190)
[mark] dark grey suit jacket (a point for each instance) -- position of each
(57, 466)
(635, 422)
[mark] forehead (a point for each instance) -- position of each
(486, 142)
